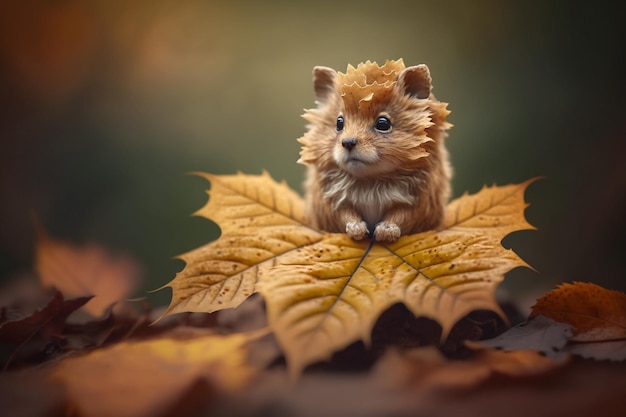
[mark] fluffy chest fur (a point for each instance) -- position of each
(372, 198)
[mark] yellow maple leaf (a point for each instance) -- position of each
(324, 291)
(260, 220)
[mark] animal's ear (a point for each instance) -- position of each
(323, 82)
(416, 81)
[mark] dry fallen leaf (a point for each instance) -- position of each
(148, 378)
(260, 220)
(30, 335)
(88, 270)
(612, 350)
(428, 370)
(324, 291)
(582, 319)
(597, 314)
(49, 319)
(540, 334)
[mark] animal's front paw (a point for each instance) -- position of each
(357, 230)
(387, 232)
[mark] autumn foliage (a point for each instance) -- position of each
(595, 313)
(322, 294)
(324, 291)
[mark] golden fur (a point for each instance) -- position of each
(365, 181)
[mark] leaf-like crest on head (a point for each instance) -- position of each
(368, 83)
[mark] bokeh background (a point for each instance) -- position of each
(106, 104)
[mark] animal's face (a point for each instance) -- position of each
(384, 138)
(360, 141)
(371, 121)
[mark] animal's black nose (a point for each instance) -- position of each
(348, 143)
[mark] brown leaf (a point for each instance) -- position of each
(30, 334)
(50, 319)
(324, 291)
(89, 270)
(428, 370)
(597, 314)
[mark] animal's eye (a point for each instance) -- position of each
(383, 124)
(339, 123)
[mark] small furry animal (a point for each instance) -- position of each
(376, 162)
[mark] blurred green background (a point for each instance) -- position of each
(106, 104)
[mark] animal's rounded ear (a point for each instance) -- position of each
(324, 79)
(416, 81)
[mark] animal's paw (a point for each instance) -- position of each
(387, 232)
(357, 230)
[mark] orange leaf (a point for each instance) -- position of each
(85, 271)
(596, 313)
(148, 378)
